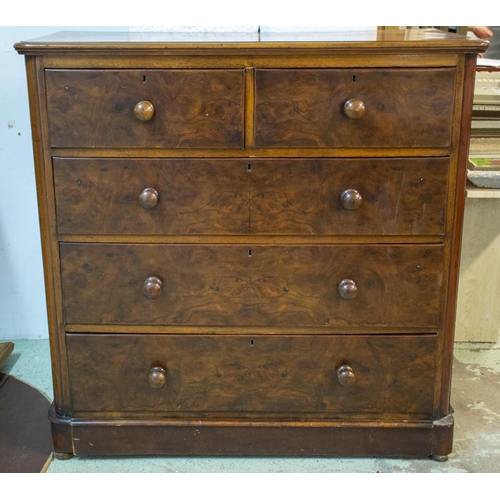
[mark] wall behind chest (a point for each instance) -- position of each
(22, 296)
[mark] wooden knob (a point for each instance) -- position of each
(144, 111)
(351, 199)
(354, 109)
(152, 287)
(348, 289)
(157, 377)
(346, 376)
(148, 198)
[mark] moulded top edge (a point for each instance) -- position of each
(360, 39)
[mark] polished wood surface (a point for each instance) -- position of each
(144, 111)
(157, 377)
(307, 108)
(251, 196)
(318, 206)
(50, 247)
(152, 287)
(272, 438)
(346, 376)
(351, 199)
(353, 41)
(354, 108)
(191, 108)
(266, 374)
(148, 198)
(262, 285)
(456, 223)
(348, 289)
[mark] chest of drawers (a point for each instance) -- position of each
(251, 246)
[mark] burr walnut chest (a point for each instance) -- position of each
(251, 244)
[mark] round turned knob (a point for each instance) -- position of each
(157, 377)
(152, 287)
(351, 199)
(346, 376)
(354, 109)
(144, 111)
(348, 289)
(148, 198)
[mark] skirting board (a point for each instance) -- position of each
(258, 438)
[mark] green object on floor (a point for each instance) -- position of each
(5, 349)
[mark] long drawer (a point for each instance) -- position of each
(258, 285)
(251, 196)
(145, 109)
(268, 374)
(327, 108)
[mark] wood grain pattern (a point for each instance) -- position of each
(401, 197)
(304, 108)
(251, 196)
(194, 196)
(223, 285)
(239, 373)
(192, 108)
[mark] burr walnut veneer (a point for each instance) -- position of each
(251, 245)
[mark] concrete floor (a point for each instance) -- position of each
(475, 397)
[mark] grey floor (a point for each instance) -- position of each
(475, 397)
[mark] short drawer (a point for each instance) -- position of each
(239, 285)
(251, 196)
(353, 108)
(266, 374)
(145, 109)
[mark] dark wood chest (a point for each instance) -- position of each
(251, 247)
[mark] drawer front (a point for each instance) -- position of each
(349, 196)
(386, 108)
(280, 197)
(238, 285)
(266, 374)
(190, 108)
(101, 196)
